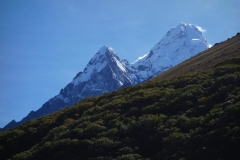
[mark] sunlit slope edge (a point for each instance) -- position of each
(195, 116)
(206, 59)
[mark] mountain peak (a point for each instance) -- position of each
(105, 49)
(104, 58)
(182, 24)
(179, 43)
(186, 27)
(184, 34)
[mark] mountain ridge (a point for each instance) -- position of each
(106, 72)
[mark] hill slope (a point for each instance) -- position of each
(206, 59)
(195, 116)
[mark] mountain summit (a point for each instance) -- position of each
(179, 44)
(106, 72)
(104, 65)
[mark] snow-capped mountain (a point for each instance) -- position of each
(179, 44)
(106, 72)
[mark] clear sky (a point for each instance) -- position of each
(44, 44)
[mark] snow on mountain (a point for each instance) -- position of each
(97, 63)
(106, 72)
(179, 44)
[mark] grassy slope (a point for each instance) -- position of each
(194, 116)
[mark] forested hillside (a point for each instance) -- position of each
(194, 116)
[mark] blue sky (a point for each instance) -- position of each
(44, 44)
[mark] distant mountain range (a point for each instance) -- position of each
(106, 72)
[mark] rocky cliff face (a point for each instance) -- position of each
(106, 72)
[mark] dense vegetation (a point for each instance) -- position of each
(195, 116)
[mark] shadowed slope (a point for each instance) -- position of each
(194, 116)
